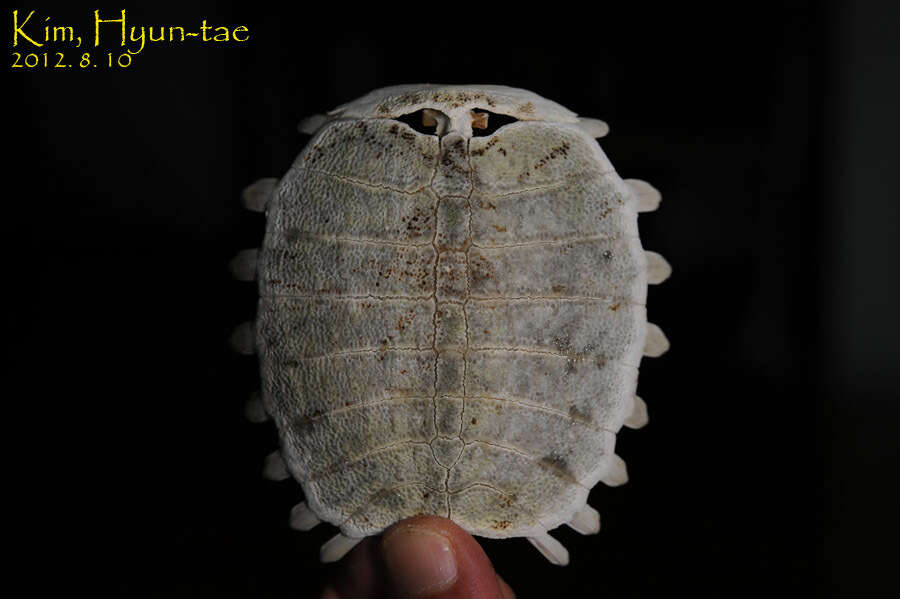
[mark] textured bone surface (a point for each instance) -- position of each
(450, 324)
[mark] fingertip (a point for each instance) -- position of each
(429, 556)
(420, 560)
(505, 590)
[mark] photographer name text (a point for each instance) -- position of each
(40, 42)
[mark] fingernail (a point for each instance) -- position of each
(421, 562)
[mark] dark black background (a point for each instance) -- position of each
(770, 462)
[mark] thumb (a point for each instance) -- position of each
(431, 557)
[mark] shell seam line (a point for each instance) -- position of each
(570, 356)
(384, 491)
(339, 467)
(567, 476)
(468, 241)
(481, 298)
(387, 401)
(555, 185)
(363, 183)
(437, 258)
(367, 296)
(465, 354)
(382, 350)
(534, 243)
(363, 404)
(388, 490)
(350, 352)
(557, 241)
(540, 408)
(504, 494)
(319, 237)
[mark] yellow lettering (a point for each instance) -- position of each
(222, 34)
(98, 20)
(204, 28)
(242, 29)
(19, 31)
(139, 38)
(172, 36)
(162, 34)
(62, 31)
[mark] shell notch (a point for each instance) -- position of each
(461, 107)
(435, 122)
(448, 323)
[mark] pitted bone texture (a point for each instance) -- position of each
(451, 325)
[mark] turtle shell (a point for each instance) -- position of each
(452, 323)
